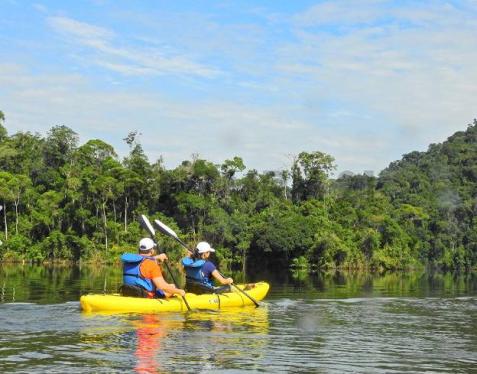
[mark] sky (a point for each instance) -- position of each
(364, 81)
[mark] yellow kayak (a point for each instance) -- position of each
(121, 304)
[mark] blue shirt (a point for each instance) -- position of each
(207, 269)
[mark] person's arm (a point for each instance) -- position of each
(220, 278)
(161, 257)
(168, 288)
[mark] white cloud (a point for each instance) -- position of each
(364, 81)
(342, 12)
(40, 8)
(80, 30)
(126, 60)
(416, 71)
(215, 129)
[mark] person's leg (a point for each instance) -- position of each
(198, 288)
(222, 289)
(132, 291)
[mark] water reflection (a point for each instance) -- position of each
(361, 284)
(235, 338)
(55, 283)
(46, 284)
(333, 323)
(193, 341)
(150, 330)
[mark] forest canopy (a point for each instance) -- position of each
(71, 201)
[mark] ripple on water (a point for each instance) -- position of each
(382, 335)
(379, 334)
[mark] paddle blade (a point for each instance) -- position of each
(146, 225)
(165, 229)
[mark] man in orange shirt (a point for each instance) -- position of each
(142, 276)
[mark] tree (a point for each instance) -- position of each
(230, 167)
(138, 164)
(26, 157)
(310, 172)
(47, 215)
(130, 182)
(3, 130)
(6, 196)
(193, 208)
(59, 146)
(105, 188)
(17, 185)
(94, 153)
(282, 233)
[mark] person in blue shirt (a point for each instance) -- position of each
(201, 273)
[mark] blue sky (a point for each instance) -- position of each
(365, 81)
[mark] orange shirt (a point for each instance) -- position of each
(150, 269)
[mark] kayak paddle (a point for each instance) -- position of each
(146, 224)
(169, 232)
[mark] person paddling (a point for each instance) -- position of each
(200, 272)
(142, 276)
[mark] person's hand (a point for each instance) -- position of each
(182, 292)
(161, 257)
(229, 280)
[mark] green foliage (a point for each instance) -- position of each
(19, 247)
(310, 173)
(281, 233)
(300, 263)
(56, 246)
(63, 200)
(3, 130)
(59, 145)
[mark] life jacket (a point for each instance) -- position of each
(193, 269)
(131, 273)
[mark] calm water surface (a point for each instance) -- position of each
(340, 323)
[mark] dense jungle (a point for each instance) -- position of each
(65, 201)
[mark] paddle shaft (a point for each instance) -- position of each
(246, 294)
(174, 280)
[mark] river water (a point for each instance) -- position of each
(328, 323)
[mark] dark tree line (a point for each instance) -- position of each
(63, 200)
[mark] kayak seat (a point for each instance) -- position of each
(199, 288)
(132, 291)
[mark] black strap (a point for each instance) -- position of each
(132, 275)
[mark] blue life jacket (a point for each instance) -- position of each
(193, 269)
(131, 273)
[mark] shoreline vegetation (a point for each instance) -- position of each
(62, 201)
